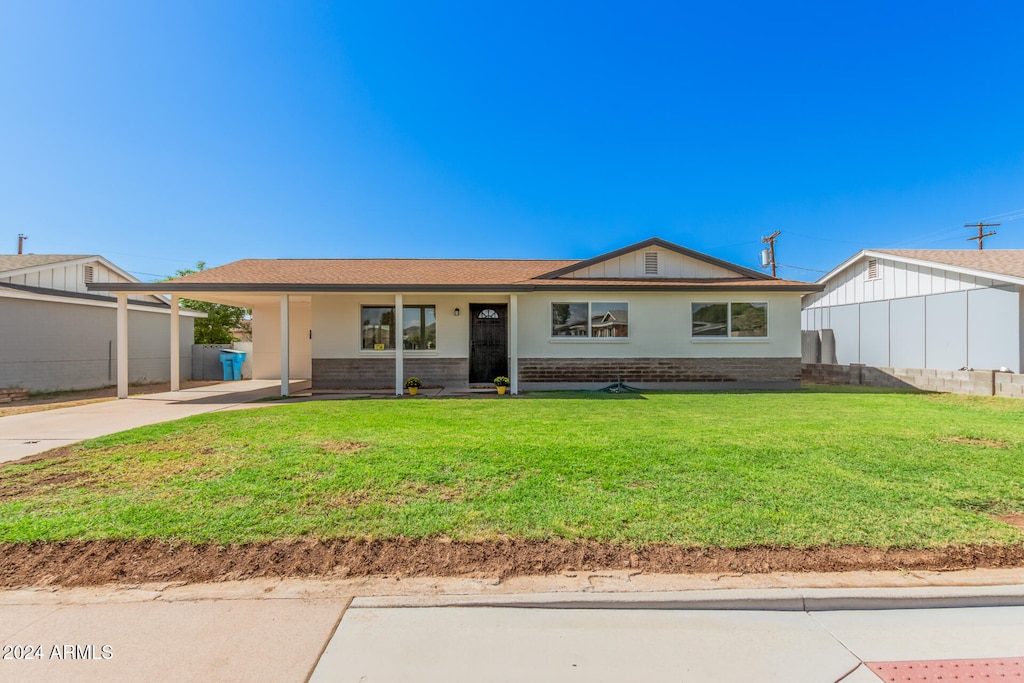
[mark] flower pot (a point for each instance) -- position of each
(413, 390)
(501, 390)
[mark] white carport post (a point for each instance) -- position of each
(122, 345)
(175, 345)
(513, 343)
(399, 347)
(285, 355)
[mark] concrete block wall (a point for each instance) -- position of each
(379, 373)
(1008, 384)
(974, 382)
(658, 370)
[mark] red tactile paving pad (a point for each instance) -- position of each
(944, 670)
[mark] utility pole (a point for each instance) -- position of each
(981, 232)
(21, 242)
(768, 255)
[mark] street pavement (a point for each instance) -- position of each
(594, 627)
(31, 433)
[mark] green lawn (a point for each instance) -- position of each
(805, 468)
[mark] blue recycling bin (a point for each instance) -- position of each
(232, 361)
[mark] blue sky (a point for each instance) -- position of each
(160, 134)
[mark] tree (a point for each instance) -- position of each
(220, 322)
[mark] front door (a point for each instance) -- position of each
(488, 342)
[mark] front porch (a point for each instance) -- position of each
(329, 341)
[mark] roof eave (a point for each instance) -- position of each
(263, 288)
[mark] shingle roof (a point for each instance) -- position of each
(998, 261)
(423, 275)
(374, 272)
(672, 283)
(19, 261)
(438, 272)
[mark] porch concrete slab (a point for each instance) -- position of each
(31, 433)
(918, 634)
(222, 640)
(514, 644)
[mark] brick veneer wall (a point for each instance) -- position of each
(379, 373)
(673, 370)
(977, 382)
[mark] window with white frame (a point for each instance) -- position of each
(590, 320)
(731, 320)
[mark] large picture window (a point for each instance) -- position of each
(596, 319)
(730, 320)
(419, 328)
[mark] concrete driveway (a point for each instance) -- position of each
(31, 433)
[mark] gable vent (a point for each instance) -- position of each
(651, 263)
(89, 274)
(873, 269)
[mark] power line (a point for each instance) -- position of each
(139, 272)
(809, 270)
(1019, 214)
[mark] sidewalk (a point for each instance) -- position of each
(587, 627)
(30, 433)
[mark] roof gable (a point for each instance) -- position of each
(1006, 265)
(64, 274)
(18, 264)
(654, 258)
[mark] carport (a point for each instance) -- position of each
(282, 317)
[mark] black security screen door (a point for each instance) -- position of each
(488, 342)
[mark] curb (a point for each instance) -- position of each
(770, 599)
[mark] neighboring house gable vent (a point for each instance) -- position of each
(873, 269)
(89, 274)
(651, 263)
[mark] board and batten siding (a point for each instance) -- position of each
(918, 317)
(70, 278)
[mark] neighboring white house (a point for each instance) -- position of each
(651, 314)
(924, 308)
(56, 333)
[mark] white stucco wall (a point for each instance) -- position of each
(50, 346)
(660, 325)
(266, 339)
(337, 327)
